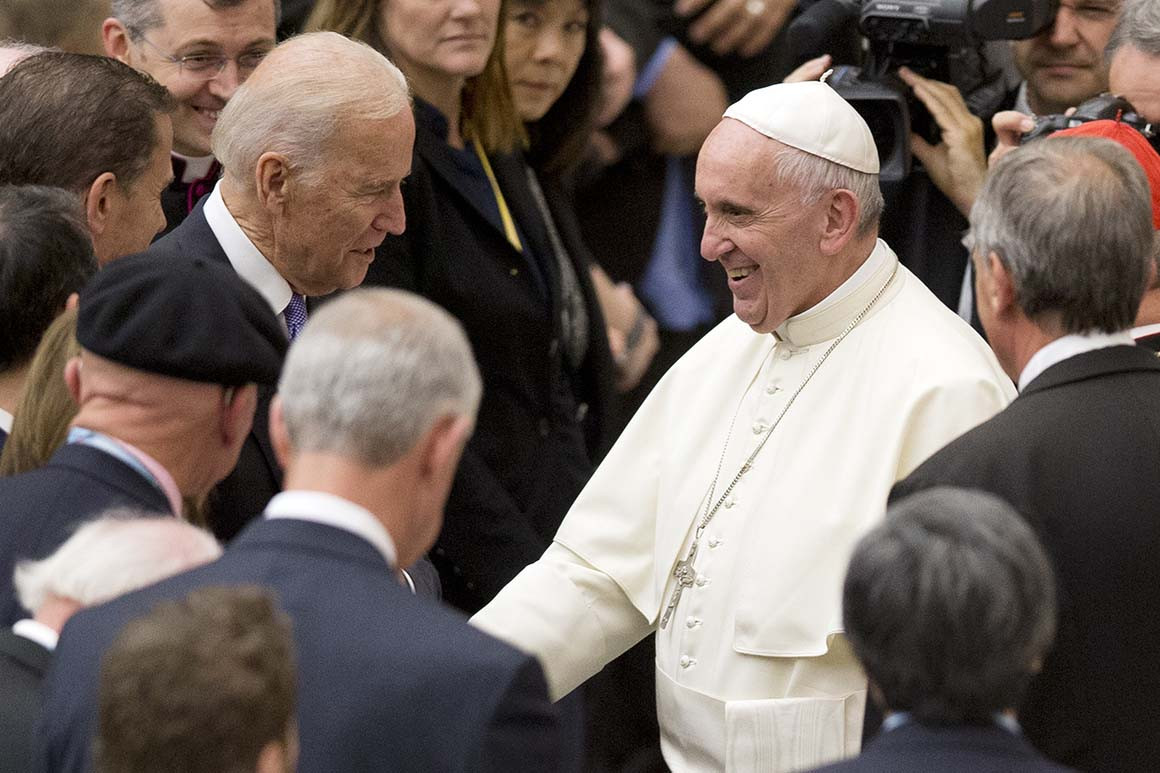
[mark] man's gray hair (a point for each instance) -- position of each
(372, 372)
(139, 16)
(1070, 219)
(299, 97)
(119, 551)
(1138, 26)
(950, 605)
(815, 176)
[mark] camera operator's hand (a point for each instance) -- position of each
(1009, 126)
(744, 26)
(958, 164)
(810, 70)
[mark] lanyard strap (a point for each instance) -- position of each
(505, 215)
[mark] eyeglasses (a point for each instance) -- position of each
(208, 66)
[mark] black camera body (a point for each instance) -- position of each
(1103, 107)
(940, 39)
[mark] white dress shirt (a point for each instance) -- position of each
(1069, 346)
(331, 510)
(246, 259)
(36, 631)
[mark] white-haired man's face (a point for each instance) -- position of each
(336, 213)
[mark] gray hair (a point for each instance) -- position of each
(814, 177)
(1138, 26)
(13, 51)
(1070, 219)
(372, 372)
(298, 98)
(950, 605)
(119, 551)
(137, 16)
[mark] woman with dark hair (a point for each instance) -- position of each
(481, 242)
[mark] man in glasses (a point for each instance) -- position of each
(201, 51)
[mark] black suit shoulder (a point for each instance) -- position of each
(952, 749)
(22, 667)
(1076, 454)
(39, 509)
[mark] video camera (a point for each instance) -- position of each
(939, 39)
(1102, 107)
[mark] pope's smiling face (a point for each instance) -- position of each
(757, 228)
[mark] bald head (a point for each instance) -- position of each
(298, 99)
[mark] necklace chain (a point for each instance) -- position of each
(684, 572)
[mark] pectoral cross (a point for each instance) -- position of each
(685, 575)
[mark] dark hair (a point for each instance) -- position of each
(949, 605)
(139, 16)
(199, 684)
(559, 139)
(65, 119)
(45, 256)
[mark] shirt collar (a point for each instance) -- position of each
(36, 631)
(246, 259)
(830, 316)
(6, 419)
(1143, 331)
(192, 168)
(1069, 346)
(137, 459)
(331, 510)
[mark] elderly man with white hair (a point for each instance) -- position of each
(724, 516)
(314, 146)
(119, 551)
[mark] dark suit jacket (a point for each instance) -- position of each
(257, 476)
(22, 666)
(40, 509)
(533, 447)
(386, 680)
(951, 749)
(1077, 453)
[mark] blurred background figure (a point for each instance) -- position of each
(45, 257)
(94, 127)
(69, 25)
(204, 683)
(200, 51)
(118, 551)
(950, 607)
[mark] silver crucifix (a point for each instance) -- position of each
(685, 575)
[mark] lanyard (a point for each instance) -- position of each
(505, 215)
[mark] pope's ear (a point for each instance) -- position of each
(840, 223)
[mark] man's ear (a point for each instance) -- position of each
(72, 377)
(1000, 286)
(237, 415)
(443, 445)
(272, 181)
(279, 437)
(99, 203)
(116, 40)
(841, 221)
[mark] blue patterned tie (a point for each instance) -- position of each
(295, 314)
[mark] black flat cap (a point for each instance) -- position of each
(188, 318)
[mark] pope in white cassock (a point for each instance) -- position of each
(724, 516)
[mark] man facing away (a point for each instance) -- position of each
(950, 607)
(119, 551)
(1062, 242)
(171, 353)
(724, 516)
(375, 404)
(200, 51)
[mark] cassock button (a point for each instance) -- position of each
(729, 503)
(687, 662)
(759, 427)
(702, 581)
(692, 622)
(772, 389)
(786, 354)
(714, 542)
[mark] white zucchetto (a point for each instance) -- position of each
(811, 117)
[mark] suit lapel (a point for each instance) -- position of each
(25, 652)
(113, 472)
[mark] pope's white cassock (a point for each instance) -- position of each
(753, 672)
